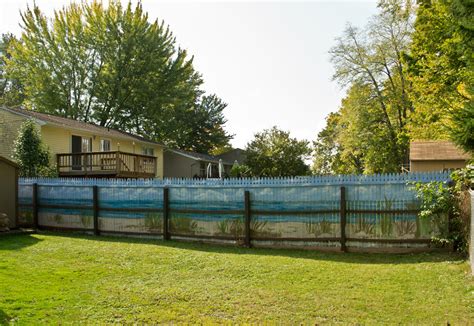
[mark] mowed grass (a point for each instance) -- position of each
(65, 278)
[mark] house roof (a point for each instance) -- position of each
(198, 156)
(237, 154)
(231, 151)
(45, 118)
(8, 162)
(436, 150)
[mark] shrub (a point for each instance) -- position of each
(30, 153)
(240, 171)
(441, 203)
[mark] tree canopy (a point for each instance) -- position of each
(441, 69)
(368, 134)
(11, 90)
(273, 153)
(408, 75)
(107, 64)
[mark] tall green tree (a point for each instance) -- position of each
(207, 128)
(327, 150)
(462, 127)
(11, 91)
(435, 70)
(373, 118)
(273, 153)
(330, 157)
(441, 70)
(30, 153)
(109, 65)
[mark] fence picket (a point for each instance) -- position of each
(314, 207)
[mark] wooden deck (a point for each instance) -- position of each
(106, 165)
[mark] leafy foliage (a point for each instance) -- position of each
(368, 133)
(273, 153)
(406, 79)
(434, 68)
(109, 65)
(441, 71)
(30, 153)
(436, 199)
(462, 131)
(240, 171)
(330, 157)
(440, 204)
(11, 91)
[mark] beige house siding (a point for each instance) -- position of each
(9, 126)
(426, 166)
(58, 139)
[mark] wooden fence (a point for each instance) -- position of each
(336, 216)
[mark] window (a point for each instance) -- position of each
(148, 151)
(202, 170)
(86, 145)
(86, 148)
(105, 145)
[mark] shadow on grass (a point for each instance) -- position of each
(353, 258)
(16, 241)
(4, 318)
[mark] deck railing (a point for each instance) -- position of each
(113, 164)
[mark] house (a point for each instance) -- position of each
(436, 155)
(184, 164)
(8, 193)
(83, 149)
(233, 155)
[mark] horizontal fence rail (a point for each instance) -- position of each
(341, 212)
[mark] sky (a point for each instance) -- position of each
(267, 60)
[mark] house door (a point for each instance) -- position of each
(76, 148)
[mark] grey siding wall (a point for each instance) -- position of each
(178, 166)
(8, 191)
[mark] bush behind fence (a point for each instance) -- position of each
(378, 211)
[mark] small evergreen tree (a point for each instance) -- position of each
(30, 153)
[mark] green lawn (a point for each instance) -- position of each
(62, 278)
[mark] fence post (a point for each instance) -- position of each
(247, 218)
(343, 219)
(35, 206)
(166, 234)
(95, 207)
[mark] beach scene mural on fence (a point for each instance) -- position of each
(279, 210)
